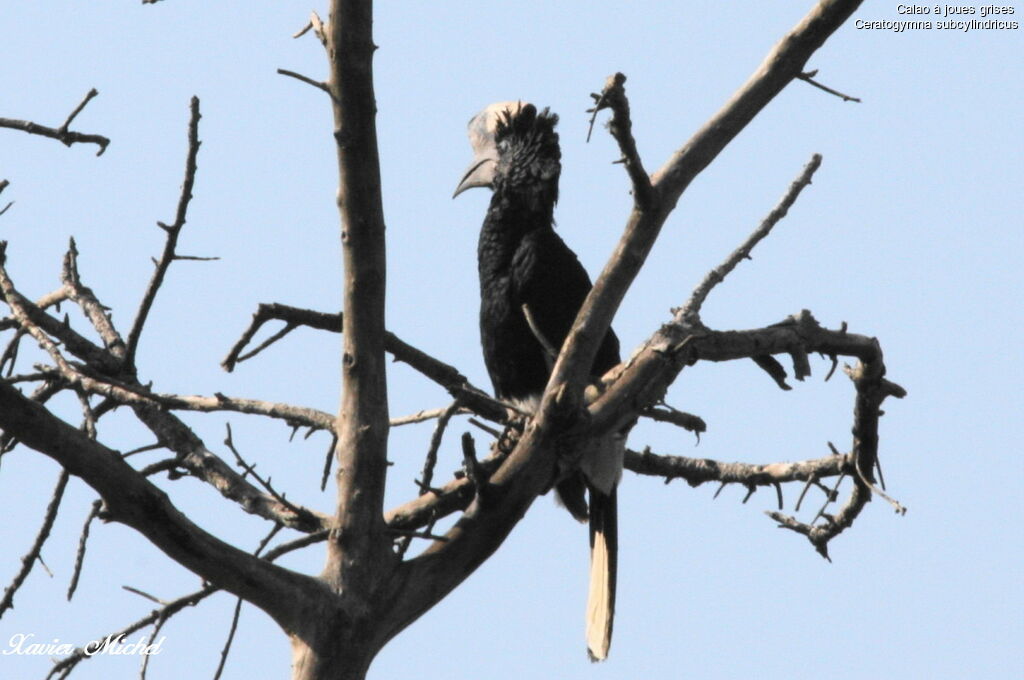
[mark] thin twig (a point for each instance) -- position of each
(172, 230)
(76, 573)
(3, 185)
(62, 668)
(613, 96)
(897, 506)
(691, 310)
(78, 109)
(496, 433)
(435, 443)
(664, 413)
(265, 483)
(84, 297)
(418, 417)
(809, 78)
(62, 134)
(30, 558)
(306, 79)
(231, 638)
(328, 460)
(142, 593)
(550, 350)
(473, 398)
(238, 609)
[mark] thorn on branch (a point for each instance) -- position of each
(3, 185)
(810, 481)
(664, 413)
(328, 460)
(835, 364)
(773, 368)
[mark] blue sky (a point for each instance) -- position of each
(911, 232)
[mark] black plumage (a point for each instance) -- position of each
(522, 261)
(531, 288)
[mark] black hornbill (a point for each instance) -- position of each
(531, 288)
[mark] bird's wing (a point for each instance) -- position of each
(548, 278)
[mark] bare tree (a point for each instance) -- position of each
(370, 590)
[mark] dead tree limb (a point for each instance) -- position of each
(62, 134)
(30, 558)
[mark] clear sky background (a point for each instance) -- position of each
(911, 232)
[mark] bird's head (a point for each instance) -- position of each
(514, 148)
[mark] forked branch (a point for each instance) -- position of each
(63, 134)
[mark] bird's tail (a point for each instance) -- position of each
(604, 545)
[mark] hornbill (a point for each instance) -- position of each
(531, 288)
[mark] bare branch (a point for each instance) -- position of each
(427, 475)
(134, 501)
(452, 497)
(67, 664)
(29, 560)
(202, 463)
(40, 324)
(780, 67)
(613, 96)
(666, 414)
(52, 299)
(549, 349)
(691, 310)
(76, 573)
(697, 471)
(144, 594)
(172, 230)
(3, 185)
(40, 395)
(320, 85)
(443, 374)
(294, 415)
(307, 516)
(78, 109)
(513, 487)
(809, 78)
(231, 637)
(329, 459)
(238, 609)
(421, 416)
(91, 307)
(63, 134)
(159, 616)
